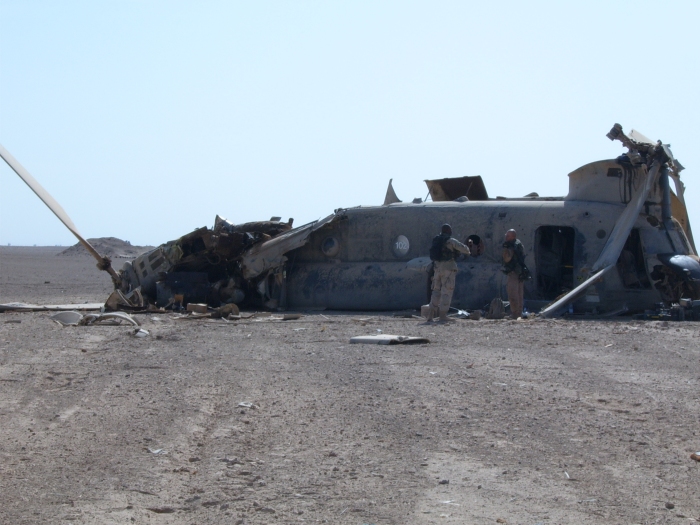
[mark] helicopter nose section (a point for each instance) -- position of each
(679, 277)
(682, 265)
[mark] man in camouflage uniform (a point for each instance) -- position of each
(443, 252)
(516, 271)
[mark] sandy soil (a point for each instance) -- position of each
(534, 422)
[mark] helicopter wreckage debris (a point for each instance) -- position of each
(227, 265)
(619, 241)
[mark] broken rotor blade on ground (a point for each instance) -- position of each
(56, 208)
(386, 339)
(27, 307)
(557, 306)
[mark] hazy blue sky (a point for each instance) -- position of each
(145, 119)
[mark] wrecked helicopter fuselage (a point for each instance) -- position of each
(619, 241)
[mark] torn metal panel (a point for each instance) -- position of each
(119, 300)
(452, 189)
(202, 266)
(270, 254)
(391, 196)
(271, 227)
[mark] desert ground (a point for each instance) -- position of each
(268, 421)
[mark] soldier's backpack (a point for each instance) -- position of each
(437, 249)
(497, 309)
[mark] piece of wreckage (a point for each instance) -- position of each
(620, 241)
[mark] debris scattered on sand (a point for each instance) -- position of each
(72, 318)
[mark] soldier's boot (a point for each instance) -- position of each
(443, 315)
(431, 314)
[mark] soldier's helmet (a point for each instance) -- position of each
(446, 228)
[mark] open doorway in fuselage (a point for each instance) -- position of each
(554, 258)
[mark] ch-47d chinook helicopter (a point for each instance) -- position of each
(619, 241)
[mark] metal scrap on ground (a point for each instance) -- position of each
(72, 318)
(386, 339)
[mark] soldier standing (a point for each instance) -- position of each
(443, 253)
(514, 267)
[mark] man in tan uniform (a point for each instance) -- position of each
(516, 271)
(443, 252)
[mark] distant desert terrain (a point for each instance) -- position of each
(264, 421)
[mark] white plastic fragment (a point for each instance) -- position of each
(67, 318)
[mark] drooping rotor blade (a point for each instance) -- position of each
(55, 207)
(556, 306)
(616, 242)
(680, 194)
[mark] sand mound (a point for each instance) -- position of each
(109, 246)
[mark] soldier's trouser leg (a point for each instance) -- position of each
(448, 288)
(435, 295)
(515, 288)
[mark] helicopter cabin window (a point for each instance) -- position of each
(554, 257)
(630, 264)
(475, 245)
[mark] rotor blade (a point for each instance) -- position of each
(556, 306)
(47, 199)
(680, 193)
(616, 242)
(624, 224)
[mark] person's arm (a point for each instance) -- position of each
(456, 245)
